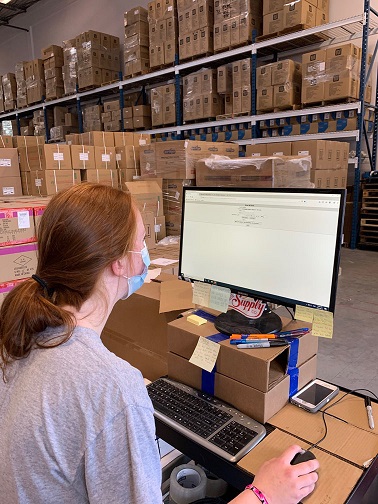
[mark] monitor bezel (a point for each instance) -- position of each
(266, 297)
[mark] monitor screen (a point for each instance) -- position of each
(278, 245)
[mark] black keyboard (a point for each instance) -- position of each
(205, 419)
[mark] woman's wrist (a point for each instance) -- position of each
(261, 497)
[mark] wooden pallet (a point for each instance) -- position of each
(136, 74)
(279, 109)
(371, 223)
(232, 116)
(88, 88)
(110, 82)
(196, 57)
(299, 27)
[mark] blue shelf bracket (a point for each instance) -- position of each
(121, 104)
(253, 84)
(79, 114)
(178, 93)
(18, 125)
(361, 114)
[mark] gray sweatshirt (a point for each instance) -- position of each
(76, 426)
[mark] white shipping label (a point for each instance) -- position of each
(5, 162)
(58, 156)
(157, 228)
(142, 142)
(322, 66)
(105, 158)
(8, 191)
(277, 153)
(177, 195)
(118, 157)
(38, 182)
(83, 156)
(23, 218)
(303, 153)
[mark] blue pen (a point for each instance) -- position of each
(294, 332)
(275, 342)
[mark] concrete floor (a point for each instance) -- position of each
(350, 359)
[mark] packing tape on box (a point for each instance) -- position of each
(294, 375)
(293, 352)
(187, 484)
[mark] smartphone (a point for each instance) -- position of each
(314, 395)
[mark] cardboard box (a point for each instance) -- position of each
(121, 139)
(18, 261)
(287, 95)
(341, 86)
(224, 79)
(58, 157)
(317, 149)
(270, 6)
(105, 158)
(127, 157)
(6, 141)
(264, 76)
(10, 186)
(243, 172)
(286, 71)
(32, 158)
(265, 98)
(147, 155)
(314, 63)
(329, 179)
(137, 327)
(83, 157)
(17, 224)
(256, 150)
(313, 91)
(147, 195)
(98, 139)
(9, 166)
(273, 22)
(103, 176)
(48, 182)
(299, 13)
(280, 148)
(321, 17)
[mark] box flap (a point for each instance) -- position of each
(175, 295)
(336, 477)
(352, 410)
(343, 440)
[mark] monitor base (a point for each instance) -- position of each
(234, 322)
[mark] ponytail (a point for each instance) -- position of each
(26, 312)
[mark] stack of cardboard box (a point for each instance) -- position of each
(136, 47)
(201, 99)
(39, 121)
(163, 31)
(92, 118)
(175, 162)
(10, 91)
(35, 81)
(53, 62)
(195, 27)
(234, 21)
(241, 87)
(127, 157)
(45, 169)
(10, 180)
(22, 99)
(69, 70)
(163, 105)
(282, 15)
(97, 59)
(332, 74)
(279, 85)
(65, 123)
(111, 117)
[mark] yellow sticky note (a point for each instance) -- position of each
(201, 294)
(219, 298)
(205, 354)
(304, 313)
(322, 325)
(196, 320)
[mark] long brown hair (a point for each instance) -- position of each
(83, 230)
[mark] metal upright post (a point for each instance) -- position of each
(121, 104)
(178, 93)
(375, 132)
(47, 129)
(357, 172)
(18, 125)
(253, 84)
(79, 114)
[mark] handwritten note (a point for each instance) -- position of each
(304, 313)
(201, 294)
(205, 354)
(323, 324)
(219, 298)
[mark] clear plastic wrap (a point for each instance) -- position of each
(173, 193)
(70, 66)
(265, 171)
(201, 99)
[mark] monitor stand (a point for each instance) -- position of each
(234, 322)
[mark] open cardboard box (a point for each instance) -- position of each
(260, 368)
(259, 405)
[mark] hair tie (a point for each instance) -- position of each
(43, 284)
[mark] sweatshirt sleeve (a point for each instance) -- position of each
(122, 465)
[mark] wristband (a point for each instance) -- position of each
(258, 493)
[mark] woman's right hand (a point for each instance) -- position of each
(283, 483)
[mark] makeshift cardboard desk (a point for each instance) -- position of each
(348, 445)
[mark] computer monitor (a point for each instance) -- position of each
(277, 245)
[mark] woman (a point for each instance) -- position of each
(76, 422)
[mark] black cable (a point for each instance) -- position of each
(334, 404)
(158, 445)
(291, 314)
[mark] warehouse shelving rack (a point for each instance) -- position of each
(360, 26)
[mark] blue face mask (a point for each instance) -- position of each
(135, 282)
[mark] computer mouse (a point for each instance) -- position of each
(303, 456)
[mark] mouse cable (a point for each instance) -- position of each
(334, 404)
(291, 314)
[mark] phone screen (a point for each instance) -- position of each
(314, 394)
